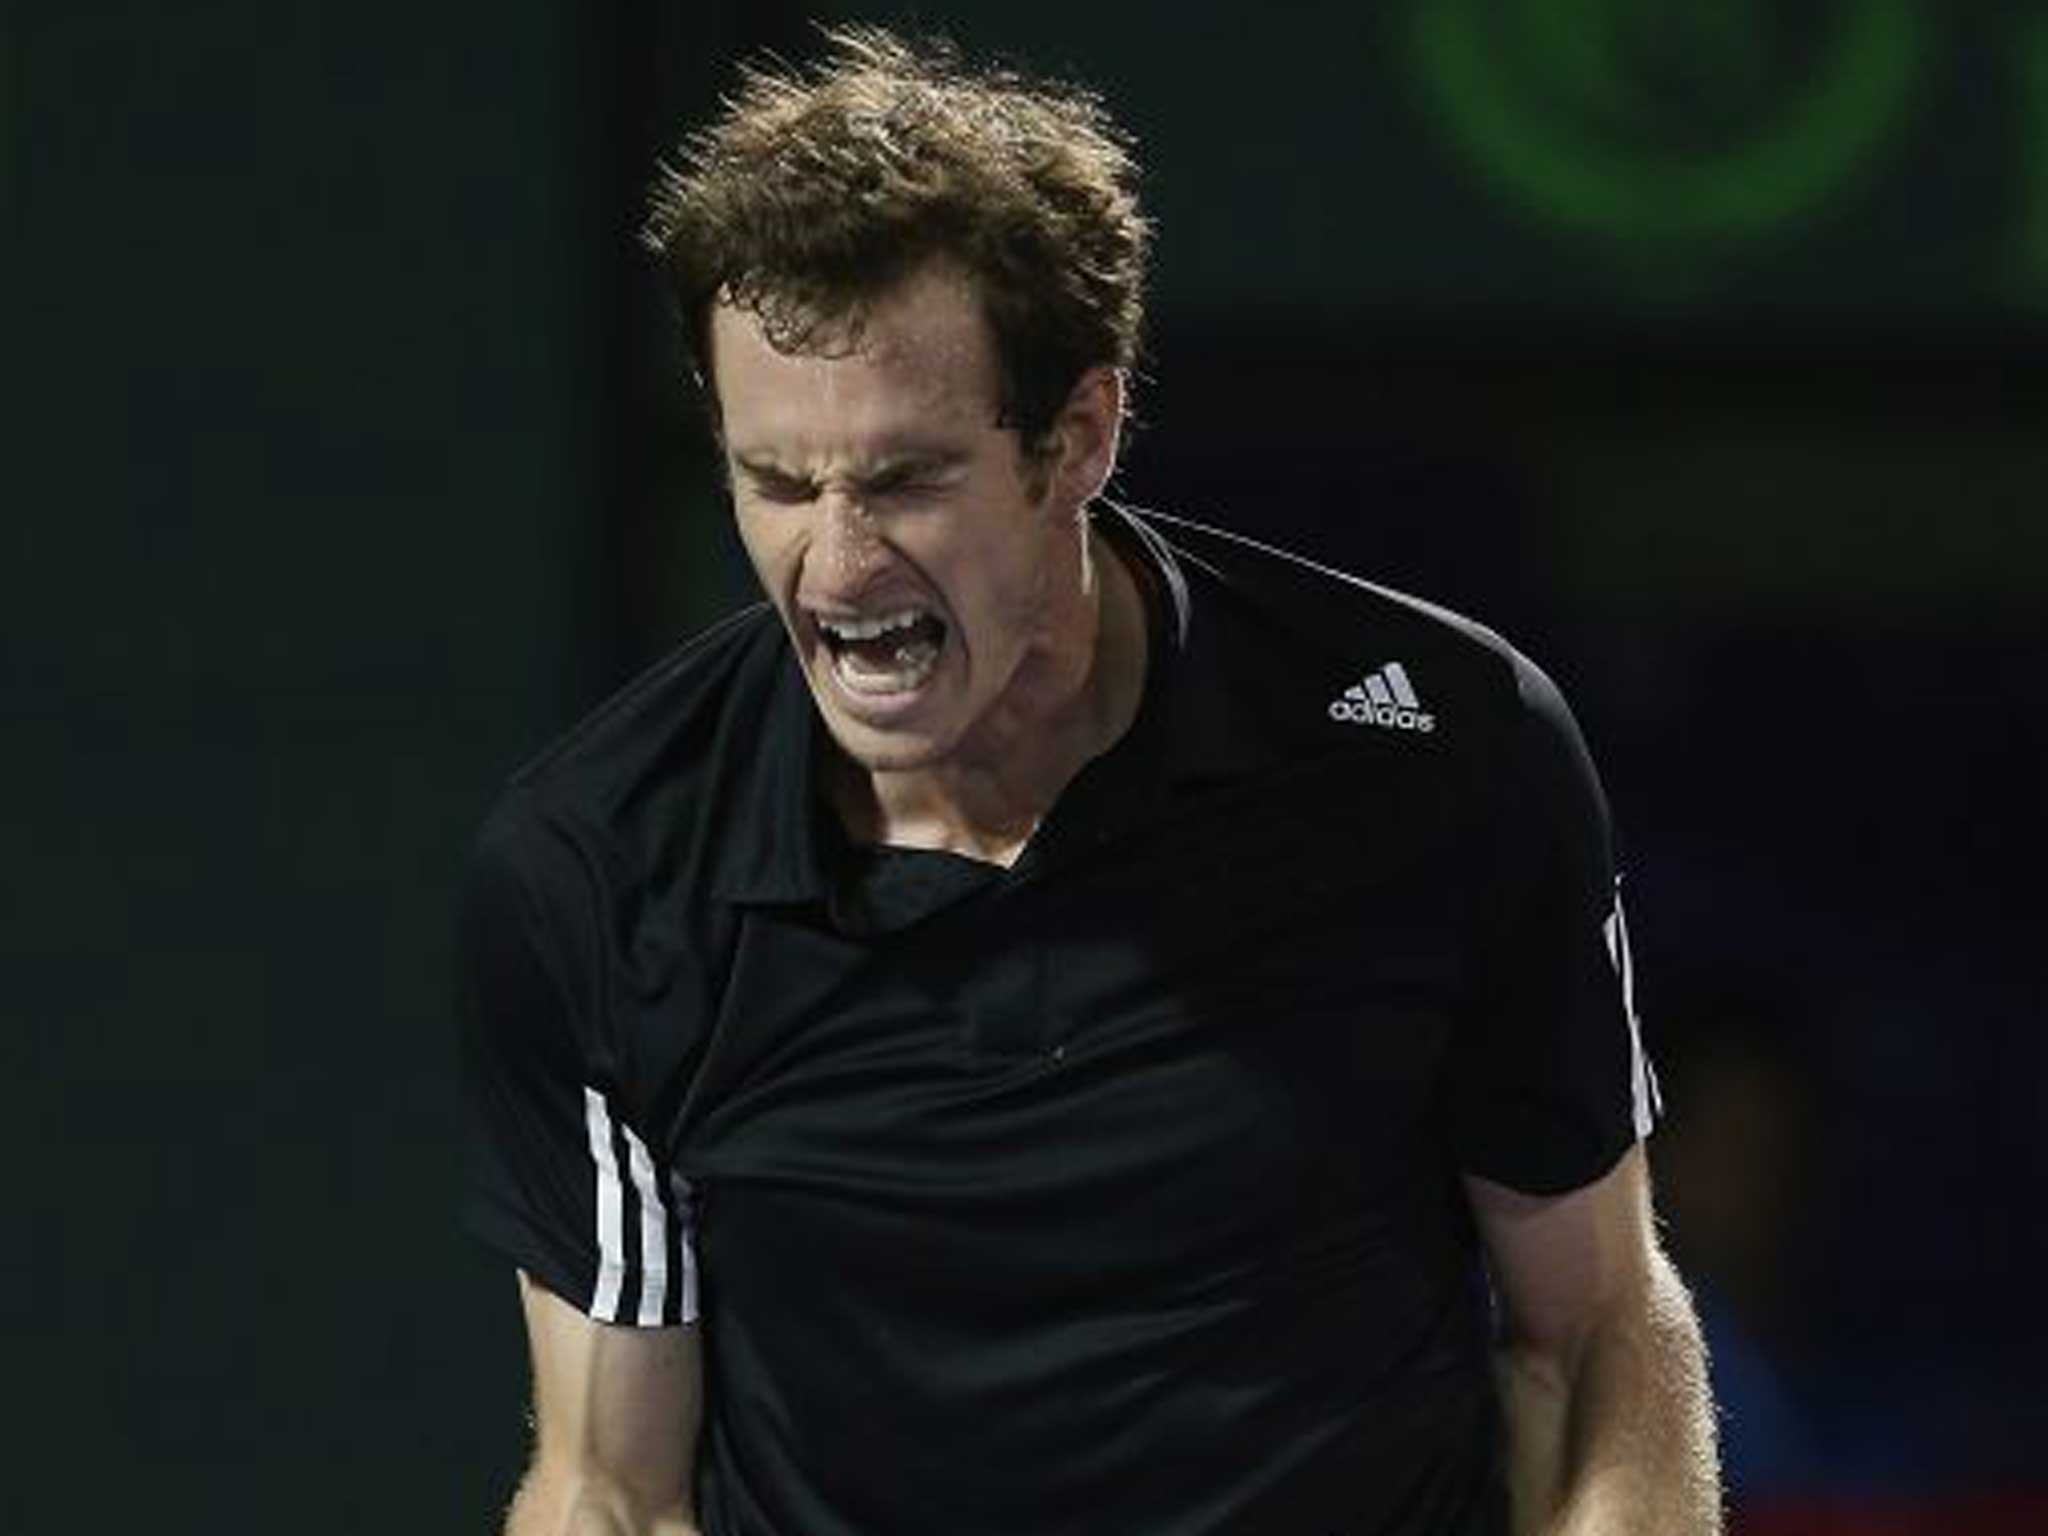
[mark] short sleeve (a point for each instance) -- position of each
(1549, 1081)
(558, 1181)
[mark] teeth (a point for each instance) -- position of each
(870, 629)
(903, 673)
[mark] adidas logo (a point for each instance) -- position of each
(1385, 697)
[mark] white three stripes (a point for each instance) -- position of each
(1389, 687)
(612, 1264)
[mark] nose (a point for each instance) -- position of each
(847, 545)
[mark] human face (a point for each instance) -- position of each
(934, 601)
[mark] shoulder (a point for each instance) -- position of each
(1355, 651)
(676, 699)
(607, 796)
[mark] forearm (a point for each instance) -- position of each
(1619, 1438)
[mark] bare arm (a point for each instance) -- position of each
(1602, 1373)
(616, 1412)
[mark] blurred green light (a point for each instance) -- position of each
(1551, 114)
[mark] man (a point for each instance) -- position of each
(1062, 1020)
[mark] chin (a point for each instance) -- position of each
(883, 751)
(899, 737)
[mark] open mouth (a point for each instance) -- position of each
(889, 653)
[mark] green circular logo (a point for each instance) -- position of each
(1671, 131)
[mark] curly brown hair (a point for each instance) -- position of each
(815, 190)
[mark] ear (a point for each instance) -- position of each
(1088, 428)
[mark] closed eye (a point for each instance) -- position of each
(910, 478)
(904, 484)
(785, 490)
(907, 479)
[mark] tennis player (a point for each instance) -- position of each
(1060, 1019)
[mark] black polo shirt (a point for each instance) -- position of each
(1116, 1191)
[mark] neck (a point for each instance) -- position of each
(986, 804)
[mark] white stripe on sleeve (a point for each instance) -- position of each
(686, 1219)
(611, 1225)
(653, 1233)
(1642, 1080)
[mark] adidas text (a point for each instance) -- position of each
(1382, 714)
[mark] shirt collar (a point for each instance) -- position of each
(1201, 738)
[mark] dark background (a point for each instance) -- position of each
(1699, 347)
